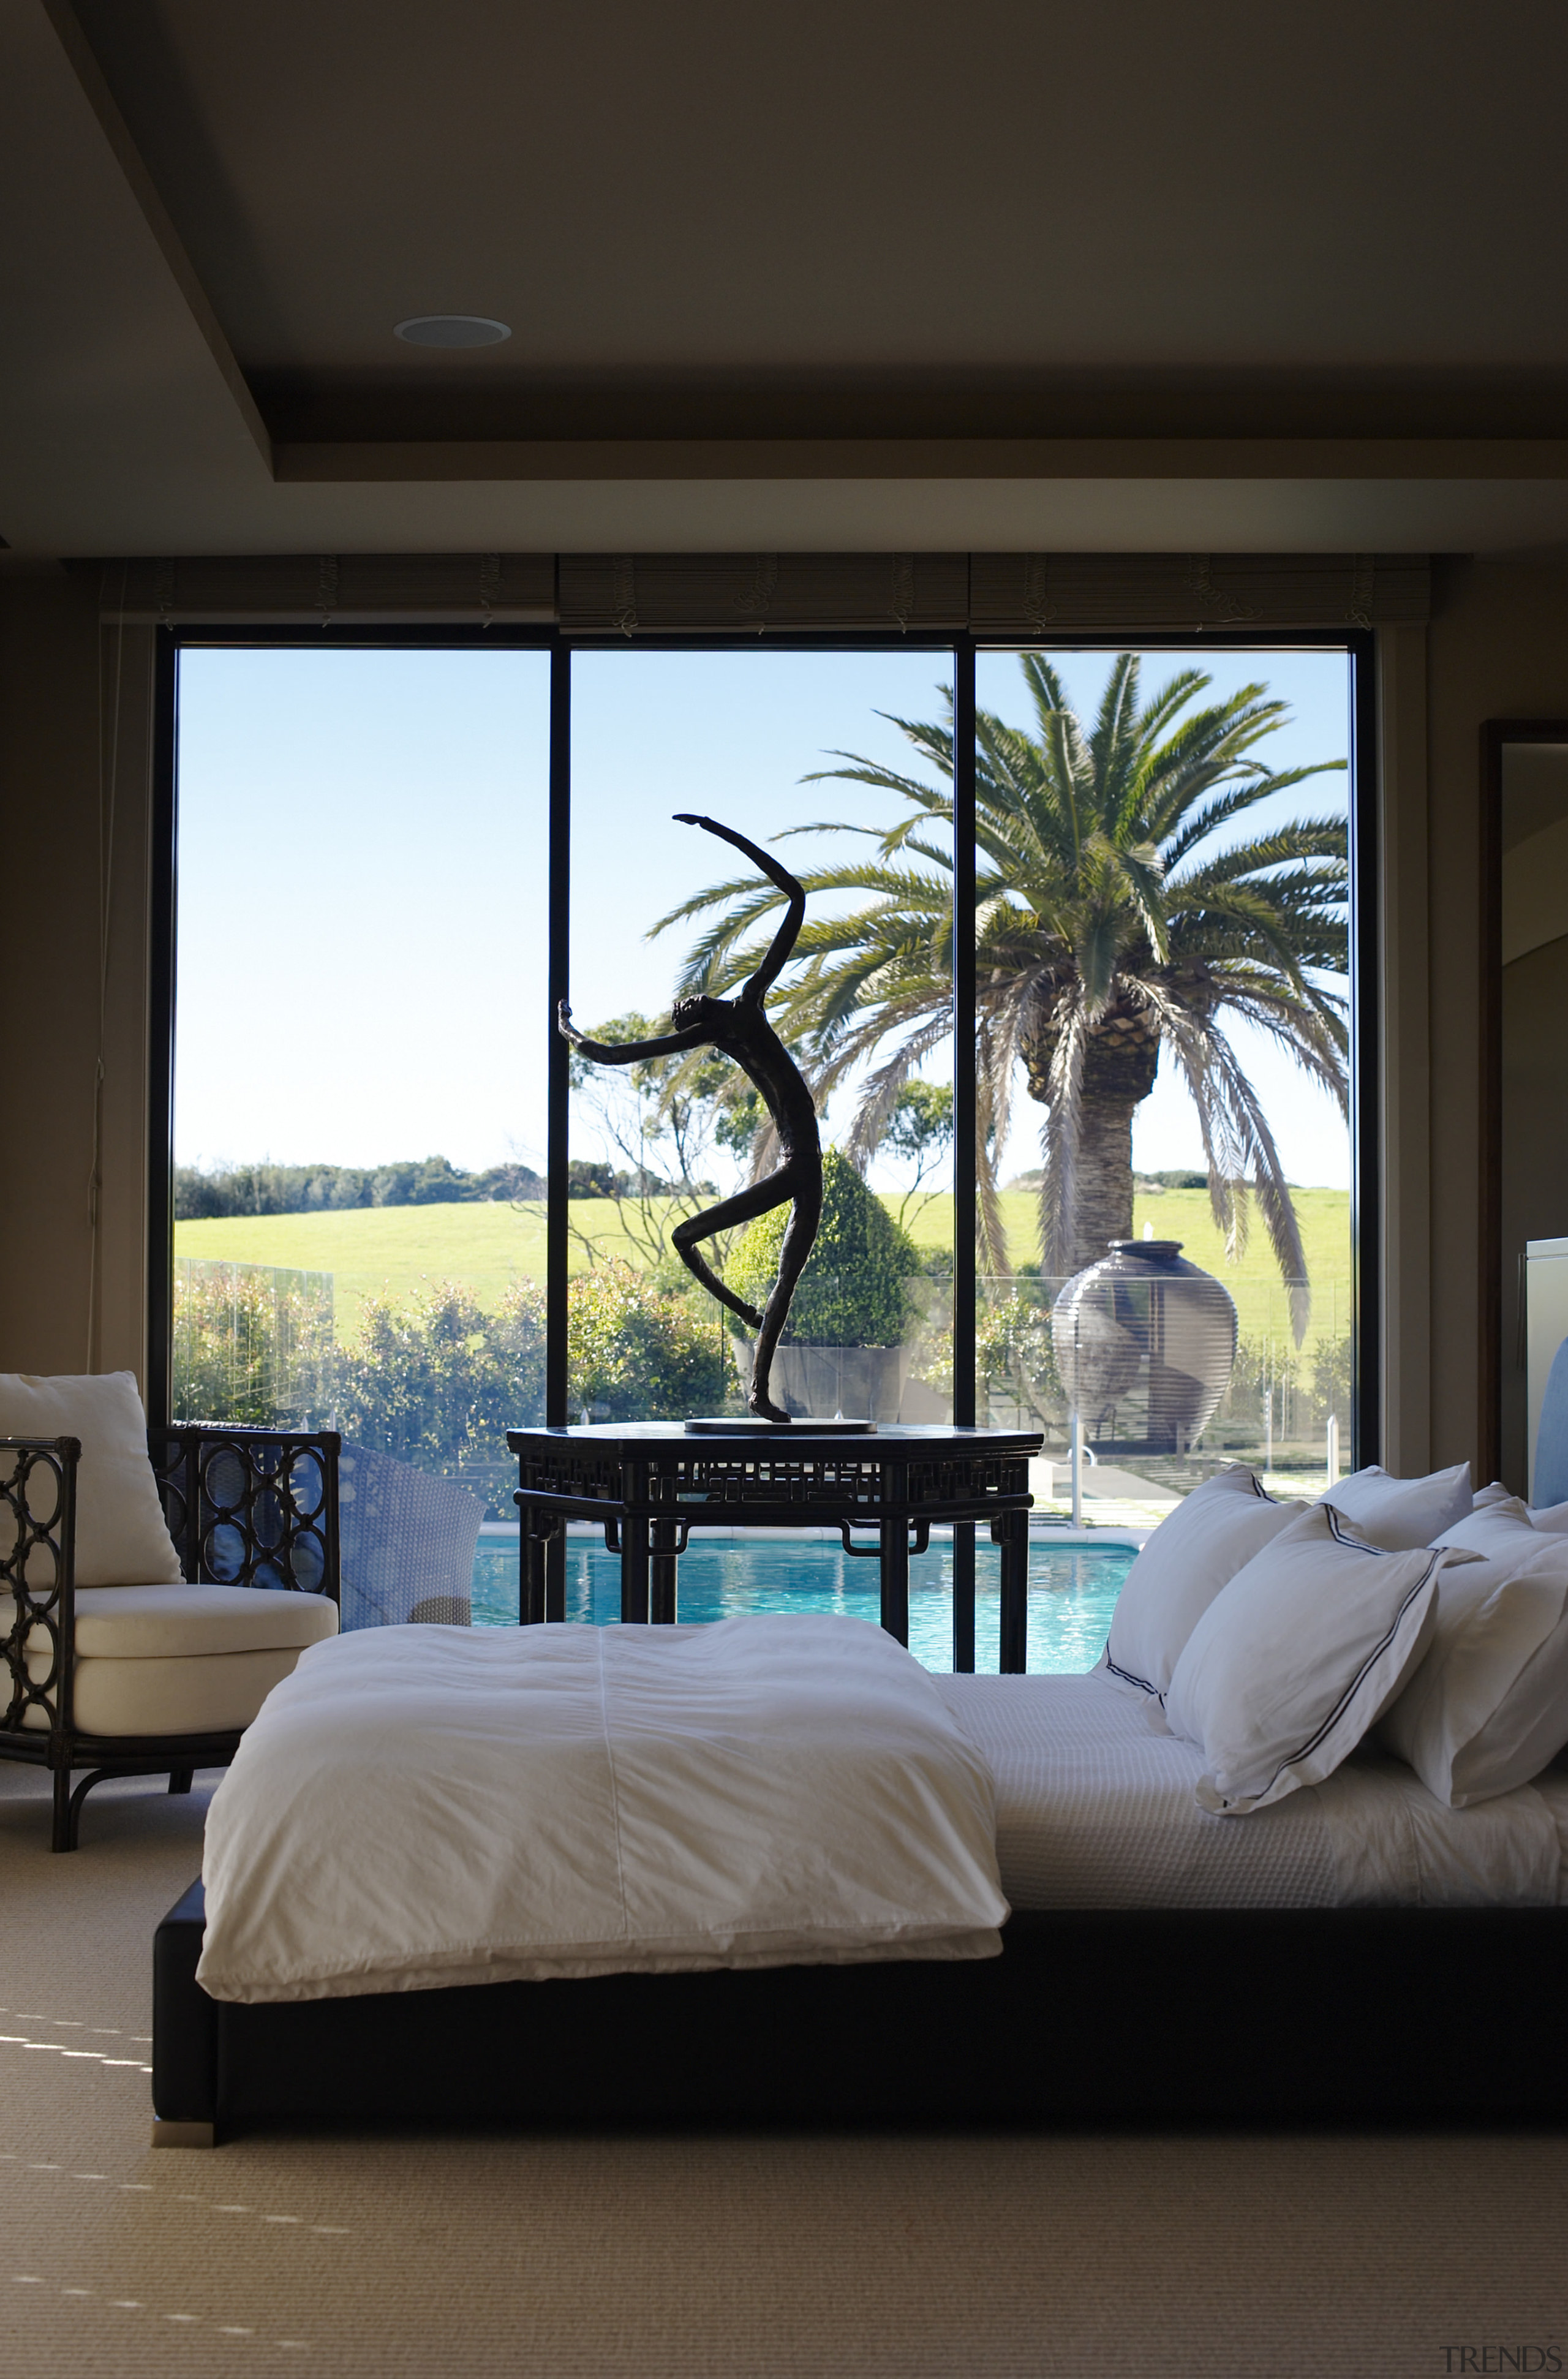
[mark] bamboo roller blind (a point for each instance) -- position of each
(1024, 595)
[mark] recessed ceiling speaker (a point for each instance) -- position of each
(452, 330)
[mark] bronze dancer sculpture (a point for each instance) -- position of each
(739, 1028)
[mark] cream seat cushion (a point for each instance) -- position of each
(120, 1528)
(178, 1660)
(213, 1694)
(153, 1622)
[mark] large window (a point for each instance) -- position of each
(1164, 872)
(1157, 1052)
(360, 1076)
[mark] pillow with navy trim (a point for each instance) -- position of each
(1400, 1513)
(1195, 1550)
(1298, 1657)
(1487, 1708)
(121, 1535)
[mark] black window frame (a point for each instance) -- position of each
(963, 651)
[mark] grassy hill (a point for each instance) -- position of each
(400, 1250)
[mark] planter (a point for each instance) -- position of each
(820, 1383)
(1144, 1344)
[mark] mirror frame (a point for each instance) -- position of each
(1496, 734)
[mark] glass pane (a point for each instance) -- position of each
(359, 1113)
(863, 1003)
(1163, 1060)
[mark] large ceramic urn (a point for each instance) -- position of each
(1144, 1345)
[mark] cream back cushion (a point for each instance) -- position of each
(121, 1535)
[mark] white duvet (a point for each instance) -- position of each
(422, 1805)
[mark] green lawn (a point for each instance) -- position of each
(400, 1250)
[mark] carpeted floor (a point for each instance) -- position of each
(725, 2256)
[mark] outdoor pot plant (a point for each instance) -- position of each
(844, 1348)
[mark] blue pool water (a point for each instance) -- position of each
(1072, 1589)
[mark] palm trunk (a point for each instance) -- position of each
(1118, 1074)
(1102, 1209)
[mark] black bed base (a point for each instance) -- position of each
(1139, 2018)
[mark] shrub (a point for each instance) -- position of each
(852, 1292)
(1014, 1351)
(440, 1382)
(252, 1345)
(638, 1352)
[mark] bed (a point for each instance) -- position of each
(1357, 1954)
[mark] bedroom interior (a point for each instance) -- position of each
(811, 336)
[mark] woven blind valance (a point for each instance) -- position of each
(639, 594)
(282, 588)
(1046, 593)
(1006, 596)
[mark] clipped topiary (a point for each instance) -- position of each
(852, 1292)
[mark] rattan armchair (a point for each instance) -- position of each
(247, 1508)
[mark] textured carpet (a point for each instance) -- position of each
(695, 2255)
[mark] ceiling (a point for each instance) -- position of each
(1011, 275)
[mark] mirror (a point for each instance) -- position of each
(1526, 1186)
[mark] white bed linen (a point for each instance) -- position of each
(418, 1806)
(1096, 1810)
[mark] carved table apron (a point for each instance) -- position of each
(648, 1484)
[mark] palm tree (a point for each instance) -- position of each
(1110, 925)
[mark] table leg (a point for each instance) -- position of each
(663, 1565)
(555, 1574)
(1010, 1531)
(533, 1557)
(964, 1598)
(896, 1557)
(635, 1545)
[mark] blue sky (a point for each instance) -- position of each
(361, 898)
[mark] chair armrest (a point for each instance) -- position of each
(251, 1506)
(38, 1536)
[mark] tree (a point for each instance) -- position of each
(663, 1118)
(1111, 926)
(920, 1130)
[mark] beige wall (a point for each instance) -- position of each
(74, 759)
(74, 726)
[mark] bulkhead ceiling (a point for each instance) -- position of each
(724, 217)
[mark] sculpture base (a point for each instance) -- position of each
(752, 1425)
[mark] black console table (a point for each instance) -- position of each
(649, 1483)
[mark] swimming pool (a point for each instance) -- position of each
(1072, 1590)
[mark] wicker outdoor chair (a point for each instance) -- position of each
(132, 1679)
(408, 1540)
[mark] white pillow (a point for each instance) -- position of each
(121, 1535)
(1194, 1552)
(1550, 1518)
(1495, 1530)
(1297, 1657)
(1487, 1708)
(1400, 1513)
